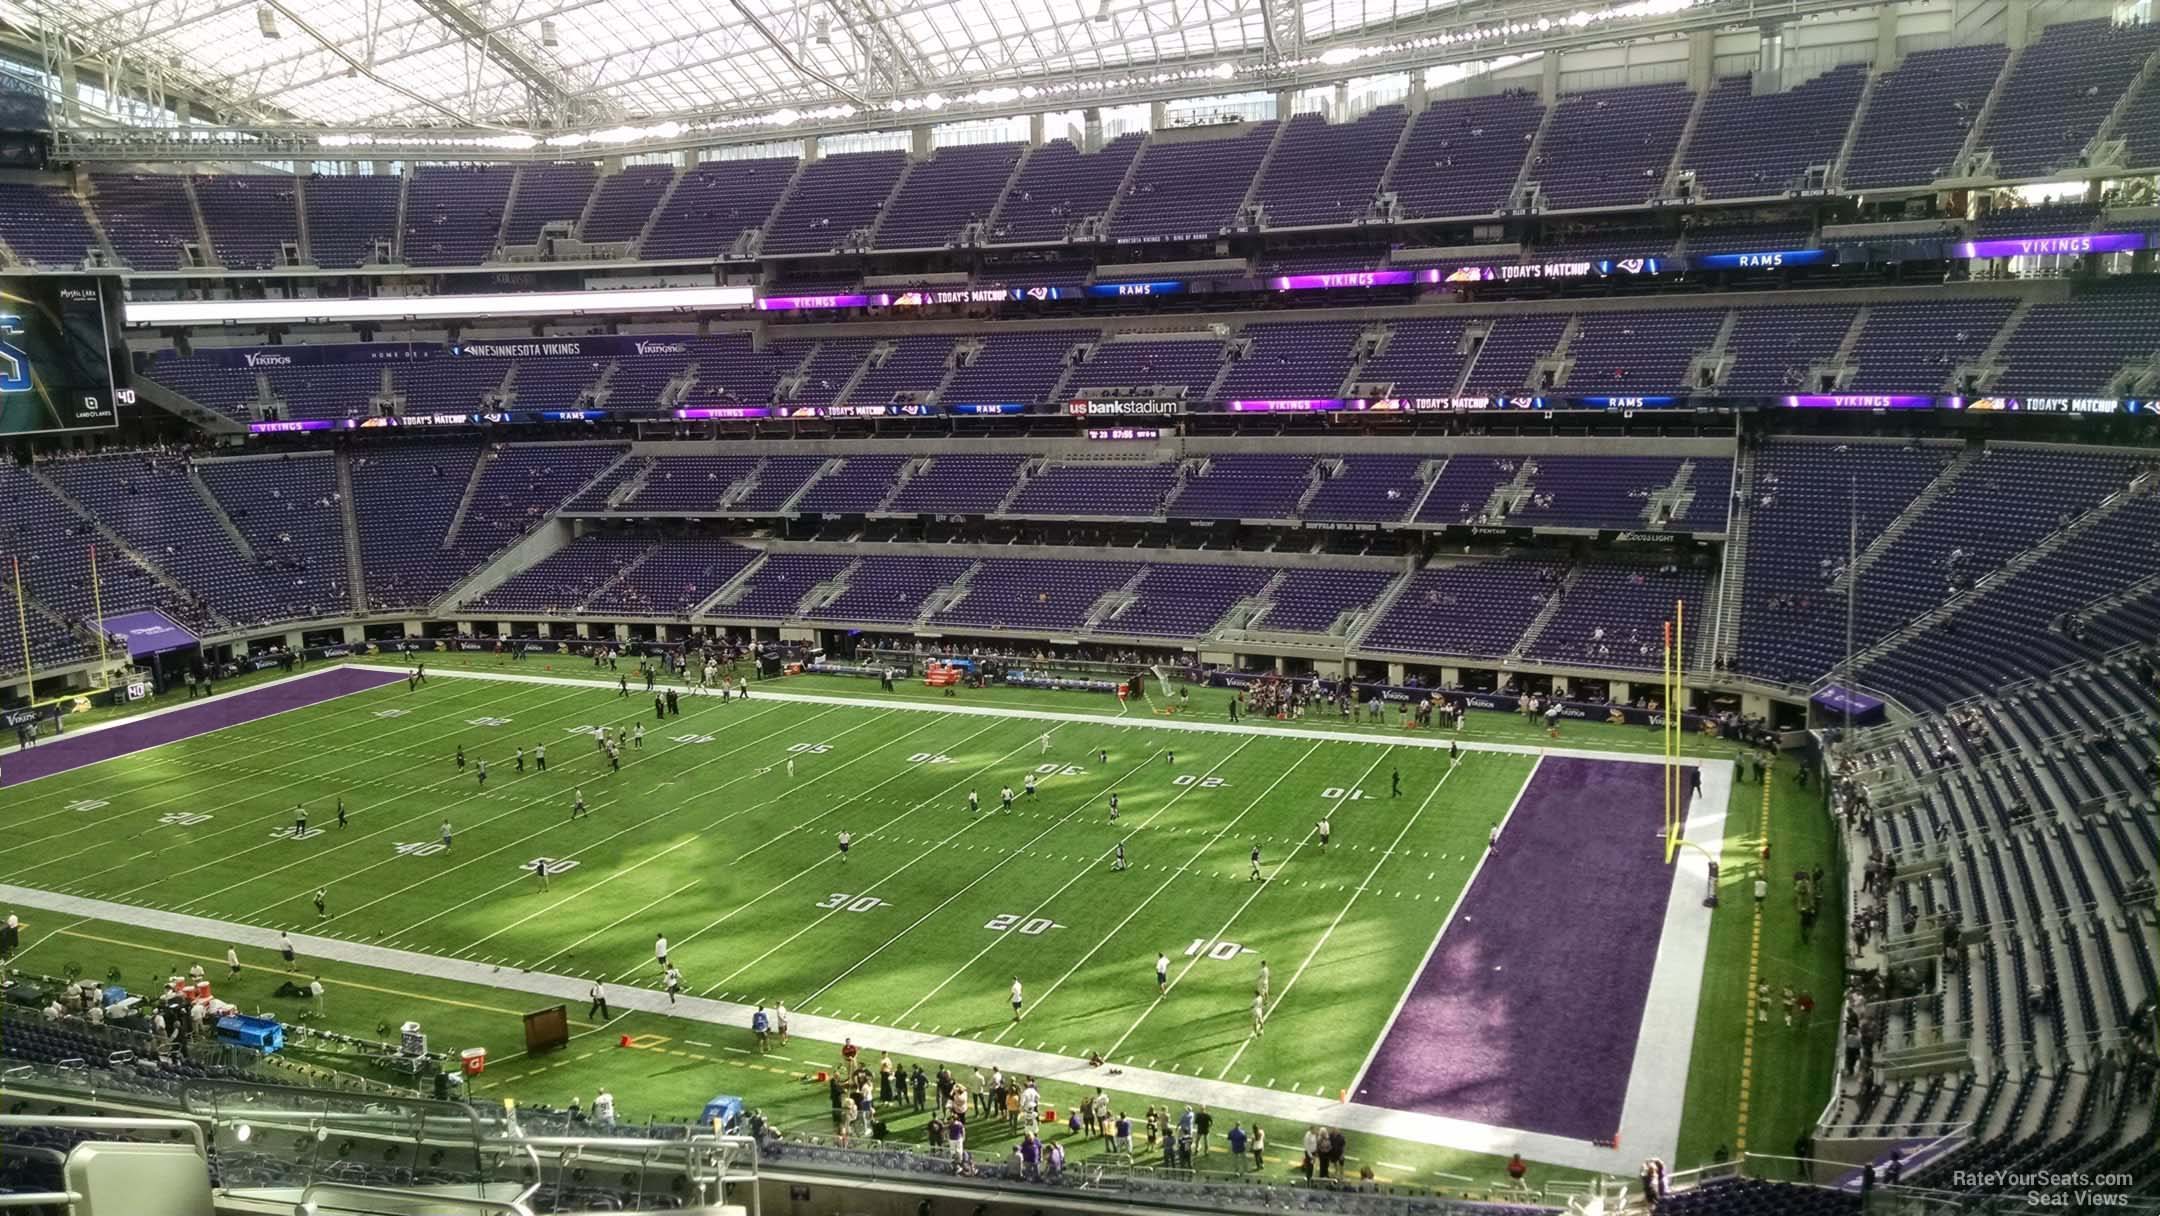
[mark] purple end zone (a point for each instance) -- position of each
(1527, 1013)
(74, 751)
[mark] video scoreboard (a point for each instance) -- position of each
(55, 358)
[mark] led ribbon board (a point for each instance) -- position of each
(2035, 246)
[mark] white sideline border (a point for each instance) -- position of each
(1656, 1091)
(1439, 739)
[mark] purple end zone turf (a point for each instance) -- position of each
(1527, 1014)
(58, 755)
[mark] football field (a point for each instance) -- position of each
(721, 832)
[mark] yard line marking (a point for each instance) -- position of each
(827, 858)
(1330, 931)
(1257, 888)
(216, 738)
(1051, 898)
(258, 821)
(253, 774)
(1135, 910)
(619, 871)
(879, 883)
(979, 879)
(1419, 970)
(527, 839)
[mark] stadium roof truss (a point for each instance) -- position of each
(534, 78)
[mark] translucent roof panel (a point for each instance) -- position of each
(516, 62)
(592, 63)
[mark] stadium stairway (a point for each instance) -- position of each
(530, 550)
(1670, 182)
(300, 227)
(217, 512)
(1732, 581)
(1529, 165)
(652, 220)
(553, 533)
(472, 487)
(202, 225)
(1852, 129)
(355, 569)
(112, 541)
(940, 600)
(1980, 121)
(727, 592)
(2143, 487)
(2110, 129)
(1883, 540)
(1988, 364)
(1545, 614)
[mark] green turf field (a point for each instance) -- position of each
(706, 836)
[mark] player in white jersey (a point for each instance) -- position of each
(1029, 788)
(1006, 796)
(1016, 998)
(1162, 973)
(974, 803)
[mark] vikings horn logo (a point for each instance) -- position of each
(14, 361)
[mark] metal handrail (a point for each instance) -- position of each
(31, 1199)
(115, 1123)
(514, 1207)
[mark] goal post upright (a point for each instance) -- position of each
(1673, 735)
(97, 602)
(22, 627)
(1665, 735)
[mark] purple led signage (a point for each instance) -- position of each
(302, 424)
(839, 300)
(1342, 278)
(951, 295)
(723, 411)
(1299, 406)
(1859, 401)
(2029, 246)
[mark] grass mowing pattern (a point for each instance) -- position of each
(706, 836)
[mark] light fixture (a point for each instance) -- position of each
(266, 21)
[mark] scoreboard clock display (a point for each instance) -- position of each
(55, 360)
